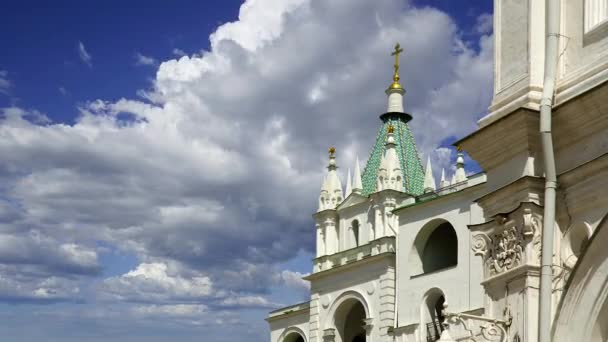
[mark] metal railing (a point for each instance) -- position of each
(433, 331)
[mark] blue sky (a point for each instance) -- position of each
(161, 160)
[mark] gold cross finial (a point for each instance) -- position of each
(332, 151)
(395, 84)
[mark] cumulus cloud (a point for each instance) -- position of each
(210, 181)
(84, 55)
(144, 60)
(151, 282)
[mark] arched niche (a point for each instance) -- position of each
(585, 300)
(435, 248)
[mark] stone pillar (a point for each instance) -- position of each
(510, 248)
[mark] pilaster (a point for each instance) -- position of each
(510, 246)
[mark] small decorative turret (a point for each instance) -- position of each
(429, 180)
(460, 174)
(390, 174)
(331, 191)
(357, 183)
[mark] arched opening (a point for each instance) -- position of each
(293, 337)
(355, 228)
(435, 248)
(350, 321)
(441, 249)
(433, 318)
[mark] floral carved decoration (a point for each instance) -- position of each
(502, 252)
(506, 252)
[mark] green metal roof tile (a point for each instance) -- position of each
(413, 180)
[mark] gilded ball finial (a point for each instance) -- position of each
(391, 129)
(459, 148)
(332, 151)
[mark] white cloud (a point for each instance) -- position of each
(5, 83)
(249, 301)
(179, 52)
(154, 283)
(485, 23)
(63, 91)
(84, 55)
(144, 60)
(294, 280)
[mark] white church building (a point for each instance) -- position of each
(516, 253)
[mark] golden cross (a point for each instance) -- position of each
(396, 53)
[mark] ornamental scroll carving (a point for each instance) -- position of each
(503, 248)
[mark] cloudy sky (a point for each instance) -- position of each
(160, 162)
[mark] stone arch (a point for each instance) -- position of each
(340, 316)
(435, 247)
(586, 297)
(292, 334)
(431, 314)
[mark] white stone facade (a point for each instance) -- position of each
(388, 261)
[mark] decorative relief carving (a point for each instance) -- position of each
(371, 287)
(480, 244)
(507, 251)
(325, 300)
(503, 244)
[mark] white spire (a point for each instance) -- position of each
(390, 175)
(357, 183)
(349, 186)
(453, 181)
(429, 180)
(331, 192)
(443, 183)
(460, 174)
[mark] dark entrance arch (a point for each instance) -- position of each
(293, 337)
(350, 321)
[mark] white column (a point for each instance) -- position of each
(320, 240)
(596, 11)
(331, 237)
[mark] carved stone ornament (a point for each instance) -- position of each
(368, 325)
(325, 300)
(506, 251)
(480, 244)
(329, 335)
(370, 288)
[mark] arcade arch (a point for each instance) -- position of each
(292, 334)
(435, 248)
(350, 313)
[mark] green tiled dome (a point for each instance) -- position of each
(413, 181)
